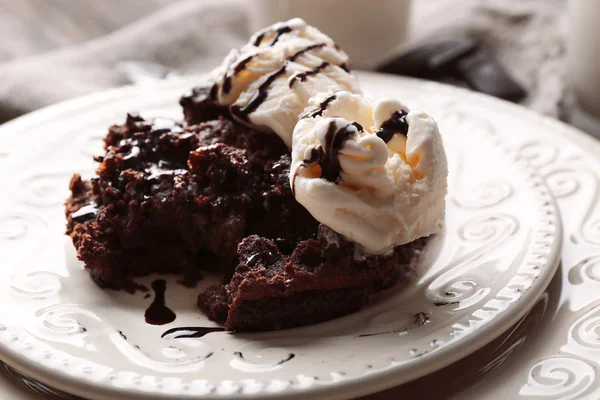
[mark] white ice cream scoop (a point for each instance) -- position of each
(373, 171)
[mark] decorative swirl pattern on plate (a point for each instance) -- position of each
(539, 154)
(254, 357)
(45, 190)
(565, 376)
(586, 330)
(17, 226)
(37, 284)
(588, 268)
(92, 145)
(563, 182)
(459, 294)
(458, 289)
(485, 195)
(489, 228)
(560, 377)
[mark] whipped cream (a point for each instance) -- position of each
(270, 80)
(373, 171)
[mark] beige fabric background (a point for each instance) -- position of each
(51, 50)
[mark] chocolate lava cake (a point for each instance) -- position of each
(208, 194)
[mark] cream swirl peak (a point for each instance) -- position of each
(373, 171)
(268, 82)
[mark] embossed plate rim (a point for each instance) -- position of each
(357, 386)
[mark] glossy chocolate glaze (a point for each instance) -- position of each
(85, 213)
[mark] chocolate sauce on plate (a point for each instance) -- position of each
(187, 332)
(158, 313)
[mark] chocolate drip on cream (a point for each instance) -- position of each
(263, 90)
(213, 91)
(304, 50)
(395, 124)
(278, 32)
(302, 76)
(259, 97)
(259, 39)
(240, 66)
(328, 157)
(322, 107)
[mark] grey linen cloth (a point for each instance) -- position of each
(194, 36)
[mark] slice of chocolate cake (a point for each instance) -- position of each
(174, 199)
(322, 279)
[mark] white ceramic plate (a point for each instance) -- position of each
(498, 250)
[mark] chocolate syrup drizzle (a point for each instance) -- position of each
(187, 332)
(259, 39)
(322, 107)
(396, 124)
(239, 67)
(302, 76)
(345, 67)
(277, 34)
(328, 158)
(263, 90)
(259, 97)
(304, 50)
(158, 313)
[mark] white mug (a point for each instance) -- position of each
(584, 54)
(368, 30)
